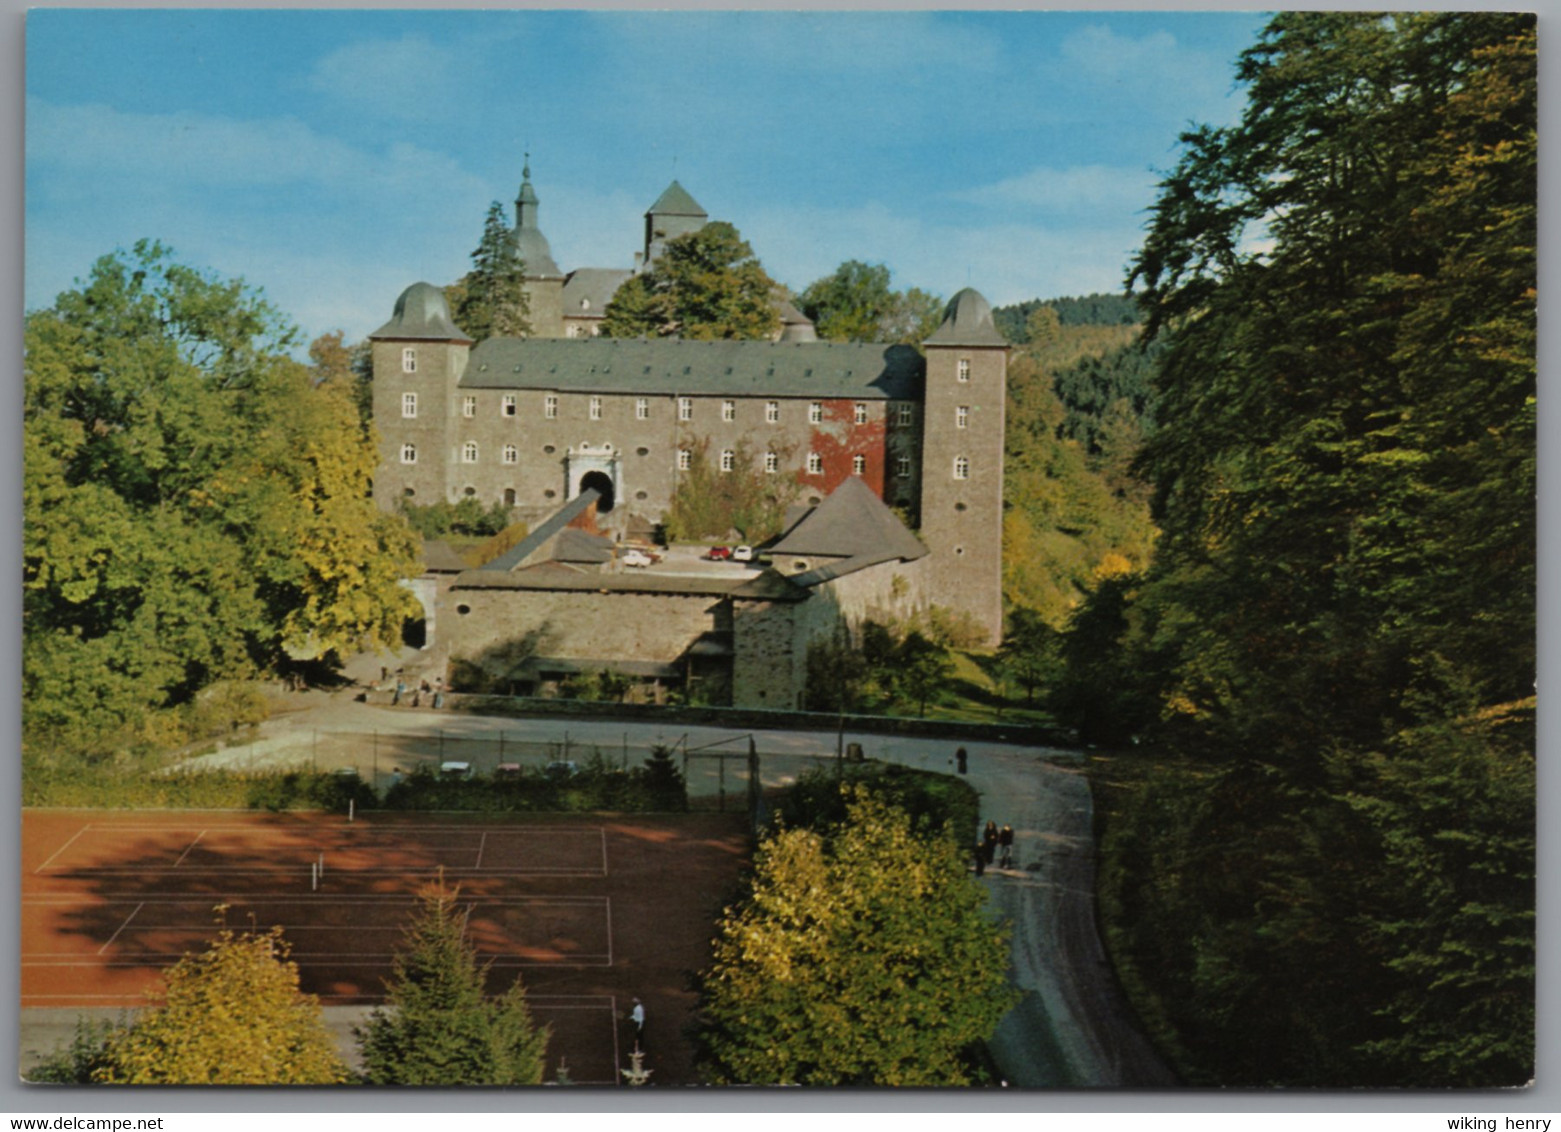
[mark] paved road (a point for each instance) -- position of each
(1072, 1029)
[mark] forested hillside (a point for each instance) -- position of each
(1337, 630)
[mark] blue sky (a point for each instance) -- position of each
(333, 157)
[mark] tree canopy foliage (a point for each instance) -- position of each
(1015, 321)
(438, 1025)
(194, 504)
(857, 304)
(490, 300)
(232, 1015)
(705, 285)
(862, 956)
(1341, 607)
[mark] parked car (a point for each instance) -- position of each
(743, 554)
(719, 553)
(636, 558)
(560, 769)
(452, 769)
(507, 770)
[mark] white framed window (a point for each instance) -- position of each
(772, 411)
(771, 463)
(511, 454)
(469, 452)
(508, 407)
(728, 410)
(685, 459)
(596, 408)
(468, 406)
(961, 416)
(860, 413)
(728, 460)
(409, 404)
(907, 413)
(858, 465)
(815, 464)
(961, 468)
(902, 467)
(409, 453)
(815, 412)
(963, 369)
(685, 408)
(642, 409)
(550, 407)
(409, 360)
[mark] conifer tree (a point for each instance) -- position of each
(438, 1025)
(492, 302)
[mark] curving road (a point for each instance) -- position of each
(1072, 1029)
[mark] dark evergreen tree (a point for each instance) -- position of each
(491, 301)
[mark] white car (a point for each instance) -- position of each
(742, 554)
(636, 558)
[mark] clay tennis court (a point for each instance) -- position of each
(588, 910)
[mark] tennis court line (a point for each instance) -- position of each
(121, 927)
(188, 847)
(62, 848)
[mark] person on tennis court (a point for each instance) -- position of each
(637, 1016)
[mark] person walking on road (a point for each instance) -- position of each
(989, 842)
(1005, 841)
(962, 760)
(637, 1016)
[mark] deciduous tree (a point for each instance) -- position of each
(705, 285)
(862, 956)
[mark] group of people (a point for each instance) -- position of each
(419, 690)
(996, 845)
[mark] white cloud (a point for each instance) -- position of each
(409, 78)
(1079, 189)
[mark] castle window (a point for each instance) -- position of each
(685, 409)
(907, 413)
(409, 453)
(961, 468)
(409, 360)
(508, 408)
(511, 454)
(469, 452)
(596, 408)
(858, 465)
(902, 467)
(961, 416)
(409, 404)
(550, 407)
(728, 460)
(468, 406)
(815, 464)
(509, 497)
(642, 409)
(728, 410)
(815, 412)
(685, 459)
(964, 369)
(861, 412)
(771, 463)
(772, 411)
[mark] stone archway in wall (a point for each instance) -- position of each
(418, 632)
(603, 484)
(595, 466)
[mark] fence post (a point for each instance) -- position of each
(625, 750)
(753, 785)
(501, 744)
(722, 803)
(566, 744)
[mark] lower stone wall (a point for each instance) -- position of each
(576, 625)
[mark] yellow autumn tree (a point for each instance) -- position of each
(232, 1015)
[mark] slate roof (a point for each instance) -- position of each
(675, 201)
(852, 522)
(422, 313)
(594, 285)
(552, 525)
(556, 578)
(967, 321)
(859, 370)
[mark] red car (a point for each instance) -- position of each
(719, 553)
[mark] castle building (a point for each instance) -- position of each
(537, 424)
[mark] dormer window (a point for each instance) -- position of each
(409, 360)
